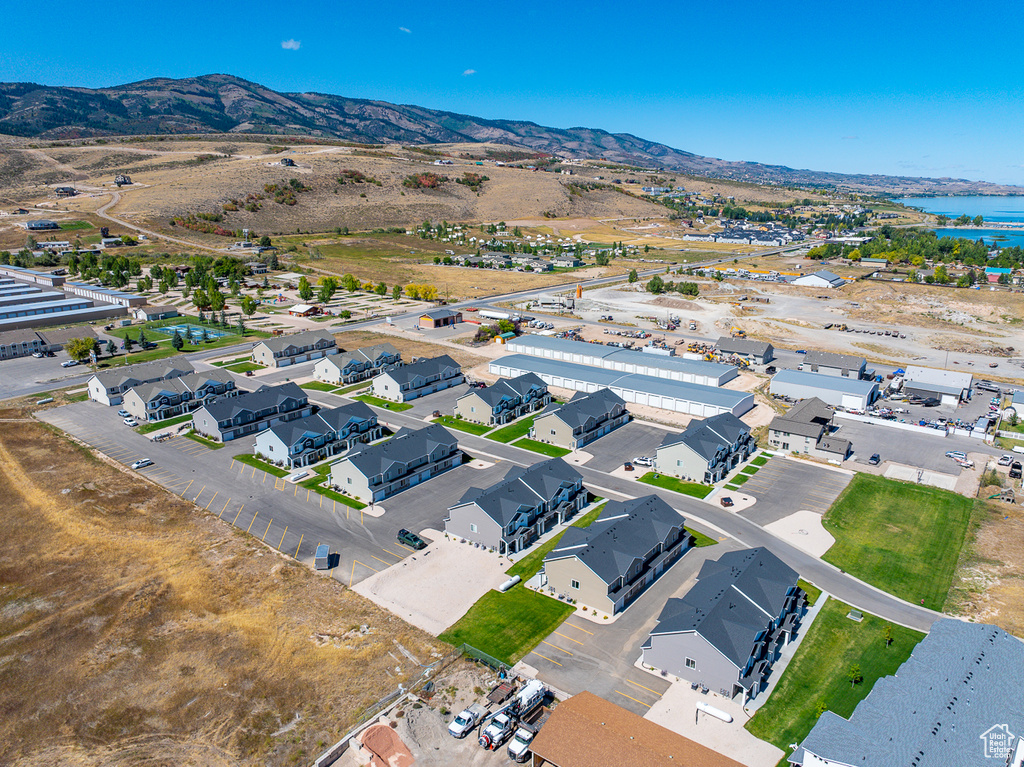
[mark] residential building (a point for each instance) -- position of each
(510, 515)
(228, 419)
(65, 191)
(807, 428)
(586, 730)
(950, 386)
(832, 364)
(727, 631)
(581, 420)
(706, 450)
(283, 351)
(356, 365)
(503, 401)
(820, 279)
(678, 396)
(376, 472)
(439, 318)
(169, 398)
(566, 261)
(954, 703)
(608, 565)
(758, 352)
(327, 433)
(303, 310)
(109, 386)
(21, 343)
(418, 379)
(832, 390)
(41, 225)
(149, 313)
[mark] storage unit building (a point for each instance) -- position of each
(832, 390)
(950, 386)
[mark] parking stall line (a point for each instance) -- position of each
(545, 657)
(392, 553)
(253, 472)
(642, 687)
(299, 546)
(267, 530)
(224, 506)
(212, 500)
(279, 545)
(648, 705)
(544, 641)
(251, 522)
(236, 514)
(381, 560)
(578, 628)
(569, 638)
(200, 493)
(187, 487)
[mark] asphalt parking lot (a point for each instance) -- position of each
(783, 486)
(584, 655)
(23, 375)
(443, 401)
(924, 451)
(624, 444)
(291, 518)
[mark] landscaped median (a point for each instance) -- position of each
(204, 441)
(693, 489)
(824, 673)
(149, 428)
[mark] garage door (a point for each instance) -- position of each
(852, 401)
(641, 398)
(654, 400)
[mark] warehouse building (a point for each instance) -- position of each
(759, 352)
(624, 360)
(30, 298)
(950, 386)
(832, 390)
(679, 396)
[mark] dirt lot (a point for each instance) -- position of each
(137, 629)
(409, 347)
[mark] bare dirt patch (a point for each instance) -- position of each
(139, 629)
(409, 347)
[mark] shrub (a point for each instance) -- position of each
(424, 181)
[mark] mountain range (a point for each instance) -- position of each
(227, 104)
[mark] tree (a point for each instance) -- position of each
(163, 287)
(887, 634)
(79, 349)
(111, 348)
(265, 241)
(206, 336)
(328, 287)
(350, 283)
(396, 292)
(381, 289)
(633, 276)
(249, 305)
(128, 343)
(305, 289)
(656, 285)
(602, 259)
(177, 341)
(201, 301)
(506, 326)
(942, 220)
(142, 339)
(217, 301)
(941, 275)
(979, 220)
(854, 674)
(223, 319)
(241, 326)
(201, 317)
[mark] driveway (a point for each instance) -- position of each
(785, 485)
(624, 444)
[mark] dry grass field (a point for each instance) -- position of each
(137, 629)
(409, 347)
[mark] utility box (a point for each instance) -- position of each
(323, 557)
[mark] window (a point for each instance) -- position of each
(472, 528)
(574, 584)
(691, 663)
(552, 431)
(472, 409)
(348, 480)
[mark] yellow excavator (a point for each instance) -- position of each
(736, 332)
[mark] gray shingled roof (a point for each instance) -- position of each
(625, 531)
(834, 360)
(585, 410)
(261, 399)
(441, 314)
(709, 436)
(426, 368)
(733, 600)
(407, 445)
(327, 420)
(808, 418)
(742, 346)
(508, 387)
(522, 487)
(961, 680)
(305, 338)
(151, 371)
(189, 383)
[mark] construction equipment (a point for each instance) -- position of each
(736, 332)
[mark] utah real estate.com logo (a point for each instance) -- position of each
(998, 742)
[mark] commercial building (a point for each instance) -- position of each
(950, 386)
(376, 472)
(171, 397)
(820, 279)
(439, 318)
(807, 428)
(513, 513)
(21, 343)
(283, 351)
(706, 450)
(149, 313)
(581, 420)
(955, 702)
(109, 387)
(586, 730)
(832, 390)
(727, 631)
(695, 399)
(759, 352)
(357, 365)
(505, 400)
(47, 299)
(832, 364)
(228, 419)
(623, 360)
(327, 433)
(609, 564)
(418, 379)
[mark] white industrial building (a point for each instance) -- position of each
(950, 386)
(837, 391)
(680, 396)
(623, 360)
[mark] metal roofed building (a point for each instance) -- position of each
(832, 364)
(727, 631)
(820, 279)
(950, 386)
(955, 702)
(832, 390)
(104, 295)
(513, 513)
(609, 564)
(678, 396)
(623, 360)
(760, 352)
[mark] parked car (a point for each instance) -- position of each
(932, 402)
(875, 459)
(411, 539)
(124, 413)
(956, 454)
(726, 502)
(642, 460)
(771, 370)
(142, 463)
(1005, 460)
(38, 355)
(1015, 470)
(130, 422)
(464, 723)
(68, 363)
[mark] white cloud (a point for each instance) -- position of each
(405, 29)
(469, 72)
(291, 45)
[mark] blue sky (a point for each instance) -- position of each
(905, 88)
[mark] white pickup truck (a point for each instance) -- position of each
(462, 724)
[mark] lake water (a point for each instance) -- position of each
(1004, 238)
(992, 208)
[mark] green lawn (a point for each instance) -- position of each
(353, 387)
(148, 428)
(699, 539)
(513, 431)
(1005, 443)
(693, 489)
(204, 441)
(313, 483)
(750, 470)
(738, 479)
(318, 386)
(463, 425)
(903, 538)
(530, 565)
(243, 367)
(398, 407)
(761, 460)
(251, 460)
(235, 361)
(818, 672)
(542, 447)
(68, 226)
(813, 592)
(507, 626)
